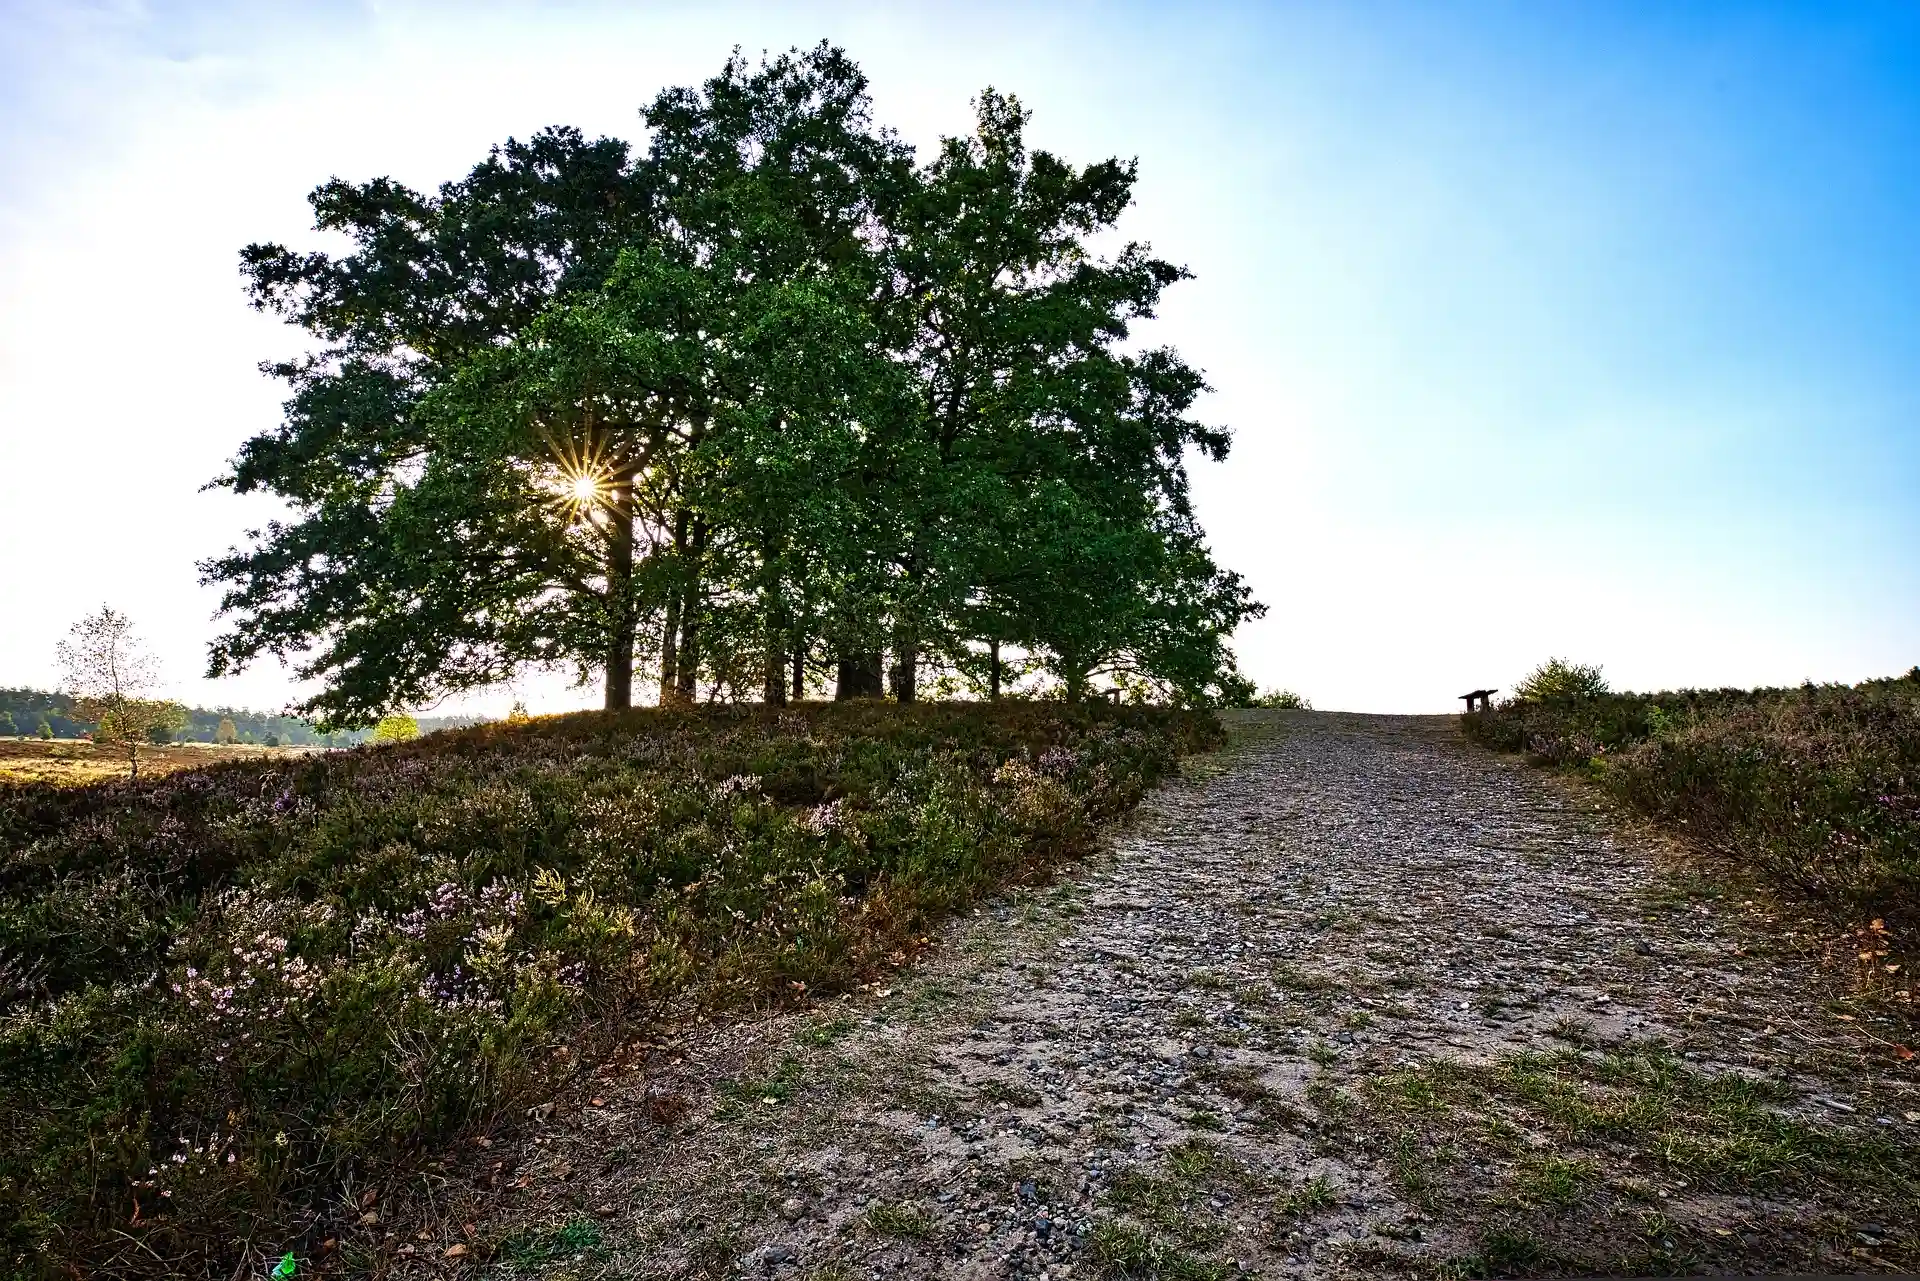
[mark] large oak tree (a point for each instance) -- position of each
(764, 393)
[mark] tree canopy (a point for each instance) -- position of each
(766, 397)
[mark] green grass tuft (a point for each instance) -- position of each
(1128, 1253)
(904, 1220)
(529, 1251)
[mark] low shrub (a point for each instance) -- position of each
(1558, 679)
(224, 992)
(1818, 786)
(1282, 699)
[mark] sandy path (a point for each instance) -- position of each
(1355, 997)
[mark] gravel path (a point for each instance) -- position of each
(1353, 998)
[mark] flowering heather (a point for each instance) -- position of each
(224, 992)
(1818, 786)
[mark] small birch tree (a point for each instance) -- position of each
(110, 676)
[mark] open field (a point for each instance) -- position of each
(74, 762)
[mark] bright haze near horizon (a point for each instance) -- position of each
(1584, 330)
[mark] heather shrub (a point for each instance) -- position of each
(1818, 786)
(224, 991)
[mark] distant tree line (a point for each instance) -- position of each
(770, 404)
(36, 712)
(25, 711)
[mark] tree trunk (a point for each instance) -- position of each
(686, 680)
(799, 669)
(621, 622)
(670, 652)
(774, 628)
(689, 655)
(905, 674)
(670, 633)
(775, 690)
(859, 677)
(993, 672)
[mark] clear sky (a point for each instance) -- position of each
(1583, 329)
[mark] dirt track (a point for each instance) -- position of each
(1355, 997)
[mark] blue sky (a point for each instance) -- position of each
(1544, 329)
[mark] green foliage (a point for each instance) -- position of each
(767, 387)
(32, 708)
(1819, 786)
(1052, 461)
(140, 720)
(1558, 680)
(204, 727)
(397, 728)
(44, 730)
(1284, 699)
(242, 983)
(7, 726)
(530, 1251)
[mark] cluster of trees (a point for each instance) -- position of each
(768, 402)
(239, 725)
(39, 713)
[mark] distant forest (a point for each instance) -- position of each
(24, 711)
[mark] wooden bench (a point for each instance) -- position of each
(1482, 697)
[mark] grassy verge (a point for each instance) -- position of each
(227, 993)
(1817, 786)
(1628, 1162)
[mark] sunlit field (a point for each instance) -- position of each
(76, 762)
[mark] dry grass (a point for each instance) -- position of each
(69, 762)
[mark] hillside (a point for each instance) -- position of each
(1817, 786)
(226, 991)
(1355, 999)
